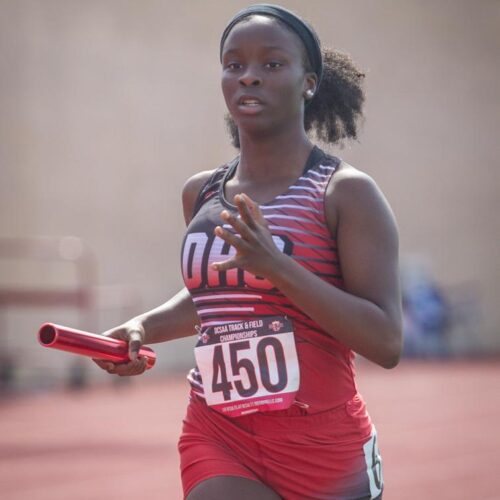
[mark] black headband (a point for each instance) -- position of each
(300, 27)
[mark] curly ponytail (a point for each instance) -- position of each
(334, 113)
(337, 107)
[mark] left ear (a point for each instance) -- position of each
(310, 85)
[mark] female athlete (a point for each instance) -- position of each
(290, 262)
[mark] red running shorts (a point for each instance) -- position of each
(327, 455)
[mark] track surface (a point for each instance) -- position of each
(437, 423)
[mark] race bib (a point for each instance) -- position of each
(249, 366)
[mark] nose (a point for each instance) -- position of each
(250, 78)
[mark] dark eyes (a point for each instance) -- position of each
(270, 65)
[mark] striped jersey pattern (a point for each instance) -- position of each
(296, 219)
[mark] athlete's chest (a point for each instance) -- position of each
(295, 218)
(201, 248)
(261, 192)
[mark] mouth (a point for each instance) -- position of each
(247, 100)
(250, 104)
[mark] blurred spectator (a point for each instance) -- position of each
(7, 373)
(426, 314)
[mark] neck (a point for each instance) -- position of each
(273, 157)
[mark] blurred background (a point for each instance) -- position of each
(108, 107)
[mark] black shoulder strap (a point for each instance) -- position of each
(320, 157)
(211, 186)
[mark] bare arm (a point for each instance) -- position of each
(174, 319)
(177, 317)
(366, 315)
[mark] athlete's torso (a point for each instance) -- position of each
(297, 222)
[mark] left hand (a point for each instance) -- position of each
(256, 251)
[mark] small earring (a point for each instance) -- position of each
(309, 94)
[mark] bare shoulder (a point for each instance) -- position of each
(352, 193)
(190, 192)
(348, 181)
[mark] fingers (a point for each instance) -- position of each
(134, 344)
(250, 216)
(250, 213)
(105, 364)
(254, 209)
(224, 266)
(241, 201)
(238, 224)
(132, 333)
(123, 369)
(129, 369)
(247, 225)
(233, 239)
(101, 363)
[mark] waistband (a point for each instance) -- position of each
(276, 422)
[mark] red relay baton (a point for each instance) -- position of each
(90, 344)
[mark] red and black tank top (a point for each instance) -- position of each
(296, 219)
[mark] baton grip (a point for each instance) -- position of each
(90, 344)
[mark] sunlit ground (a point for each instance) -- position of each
(437, 423)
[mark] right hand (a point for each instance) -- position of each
(133, 333)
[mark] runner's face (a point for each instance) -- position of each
(263, 76)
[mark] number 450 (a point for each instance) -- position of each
(220, 382)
